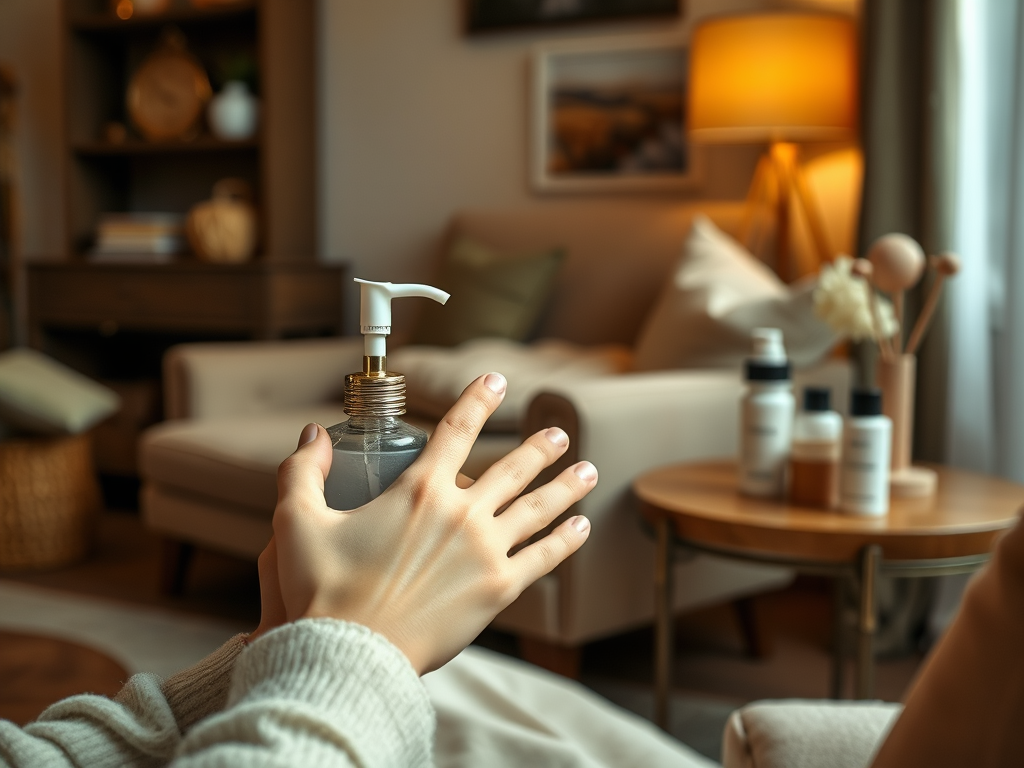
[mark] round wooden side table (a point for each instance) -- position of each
(697, 506)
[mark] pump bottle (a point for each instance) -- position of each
(374, 446)
(766, 417)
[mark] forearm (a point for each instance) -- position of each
(141, 726)
(318, 692)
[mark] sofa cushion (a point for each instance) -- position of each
(436, 376)
(618, 254)
(493, 294)
(38, 394)
(718, 294)
(235, 459)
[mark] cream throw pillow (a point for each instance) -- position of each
(717, 295)
(436, 376)
(38, 394)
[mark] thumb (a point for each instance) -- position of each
(300, 478)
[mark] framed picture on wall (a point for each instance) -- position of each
(497, 15)
(611, 116)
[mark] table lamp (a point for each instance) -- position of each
(780, 78)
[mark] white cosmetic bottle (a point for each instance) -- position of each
(864, 482)
(766, 417)
(374, 446)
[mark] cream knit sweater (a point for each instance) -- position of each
(317, 692)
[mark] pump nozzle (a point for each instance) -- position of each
(375, 310)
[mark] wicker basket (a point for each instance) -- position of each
(49, 499)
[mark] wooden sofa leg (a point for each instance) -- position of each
(755, 643)
(560, 659)
(175, 557)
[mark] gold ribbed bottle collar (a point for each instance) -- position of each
(375, 391)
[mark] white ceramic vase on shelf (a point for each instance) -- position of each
(234, 112)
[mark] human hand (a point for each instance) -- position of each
(427, 563)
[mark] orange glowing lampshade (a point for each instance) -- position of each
(773, 77)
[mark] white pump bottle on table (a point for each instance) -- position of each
(374, 446)
(766, 417)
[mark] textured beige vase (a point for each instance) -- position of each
(896, 379)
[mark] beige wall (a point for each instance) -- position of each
(419, 120)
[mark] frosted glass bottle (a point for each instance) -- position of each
(370, 452)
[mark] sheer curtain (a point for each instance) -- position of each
(985, 407)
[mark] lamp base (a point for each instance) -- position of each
(912, 482)
(780, 184)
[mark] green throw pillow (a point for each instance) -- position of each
(494, 295)
(38, 394)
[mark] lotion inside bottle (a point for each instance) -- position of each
(374, 446)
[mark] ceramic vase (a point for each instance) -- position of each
(896, 379)
(233, 113)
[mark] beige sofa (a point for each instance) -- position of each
(235, 410)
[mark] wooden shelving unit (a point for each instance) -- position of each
(114, 321)
(102, 51)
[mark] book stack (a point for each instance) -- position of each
(146, 238)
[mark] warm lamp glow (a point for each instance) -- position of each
(773, 77)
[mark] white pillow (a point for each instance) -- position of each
(38, 394)
(436, 376)
(718, 294)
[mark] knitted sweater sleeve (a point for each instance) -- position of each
(317, 692)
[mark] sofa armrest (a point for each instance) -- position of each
(242, 378)
(626, 425)
(806, 734)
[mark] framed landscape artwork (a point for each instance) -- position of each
(497, 15)
(611, 117)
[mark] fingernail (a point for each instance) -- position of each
(580, 523)
(585, 471)
(496, 383)
(557, 436)
(309, 433)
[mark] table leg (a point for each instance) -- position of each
(839, 637)
(867, 621)
(662, 623)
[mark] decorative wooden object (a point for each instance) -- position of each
(897, 377)
(169, 91)
(223, 230)
(895, 264)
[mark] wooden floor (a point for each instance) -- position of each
(710, 656)
(37, 671)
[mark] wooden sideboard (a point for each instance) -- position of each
(263, 300)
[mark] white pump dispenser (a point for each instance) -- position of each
(375, 310)
(374, 446)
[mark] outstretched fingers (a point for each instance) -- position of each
(452, 439)
(541, 557)
(506, 478)
(534, 511)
